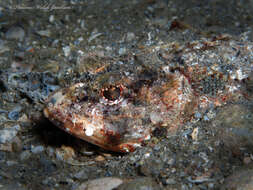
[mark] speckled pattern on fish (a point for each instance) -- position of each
(125, 102)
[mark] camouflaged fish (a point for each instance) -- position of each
(123, 103)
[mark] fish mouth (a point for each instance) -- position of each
(96, 135)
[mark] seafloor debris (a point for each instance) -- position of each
(119, 107)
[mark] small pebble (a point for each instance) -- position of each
(65, 153)
(197, 115)
(211, 114)
(122, 51)
(25, 155)
(108, 48)
(66, 51)
(45, 33)
(107, 155)
(17, 145)
(160, 21)
(247, 160)
(13, 115)
(80, 39)
(93, 36)
(21, 67)
(140, 184)
(130, 36)
(37, 149)
(195, 133)
(51, 18)
(100, 158)
(50, 151)
(3, 46)
(81, 175)
(23, 118)
(170, 181)
(11, 163)
(17, 127)
(6, 147)
(82, 24)
(155, 117)
(107, 183)
(15, 33)
(206, 118)
(7, 134)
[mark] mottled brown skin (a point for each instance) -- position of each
(120, 108)
(101, 139)
(123, 115)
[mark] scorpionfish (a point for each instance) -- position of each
(119, 107)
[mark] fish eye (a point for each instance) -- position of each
(112, 93)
